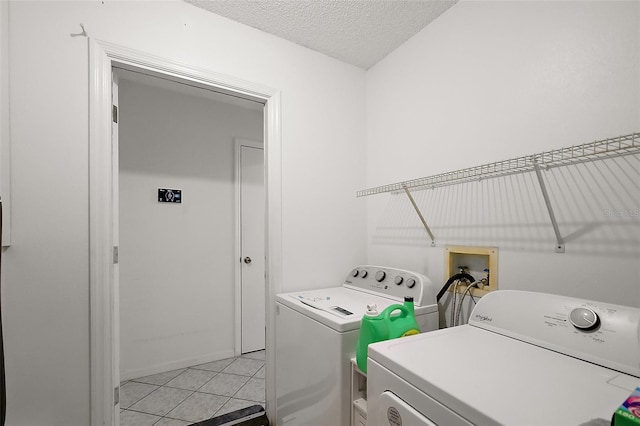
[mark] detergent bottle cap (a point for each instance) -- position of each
(408, 298)
(372, 310)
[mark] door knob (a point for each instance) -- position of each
(247, 260)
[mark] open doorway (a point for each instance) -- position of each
(103, 218)
(177, 250)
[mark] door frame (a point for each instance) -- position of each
(103, 56)
(238, 143)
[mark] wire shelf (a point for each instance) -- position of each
(607, 148)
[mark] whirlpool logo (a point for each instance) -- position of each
(483, 318)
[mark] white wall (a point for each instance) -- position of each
(493, 80)
(46, 304)
(177, 260)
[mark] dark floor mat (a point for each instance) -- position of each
(250, 416)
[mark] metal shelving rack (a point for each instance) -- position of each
(592, 151)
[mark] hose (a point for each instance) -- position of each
(454, 295)
(459, 310)
(459, 276)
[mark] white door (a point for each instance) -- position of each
(251, 206)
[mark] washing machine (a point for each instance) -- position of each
(316, 336)
(523, 359)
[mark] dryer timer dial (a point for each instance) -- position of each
(584, 318)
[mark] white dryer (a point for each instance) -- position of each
(316, 336)
(524, 359)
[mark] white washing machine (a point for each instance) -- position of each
(316, 336)
(524, 359)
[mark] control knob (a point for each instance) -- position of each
(398, 280)
(411, 282)
(380, 275)
(584, 318)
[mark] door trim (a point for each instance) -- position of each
(102, 57)
(238, 142)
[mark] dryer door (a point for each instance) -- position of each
(393, 411)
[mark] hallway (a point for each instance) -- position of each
(182, 397)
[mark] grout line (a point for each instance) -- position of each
(143, 412)
(204, 369)
(130, 405)
(163, 415)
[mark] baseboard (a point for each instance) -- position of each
(175, 365)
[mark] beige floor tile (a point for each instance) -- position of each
(244, 367)
(191, 379)
(161, 401)
(253, 390)
(132, 418)
(224, 384)
(132, 392)
(198, 407)
(160, 378)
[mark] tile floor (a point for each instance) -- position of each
(182, 397)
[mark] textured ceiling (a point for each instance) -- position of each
(359, 32)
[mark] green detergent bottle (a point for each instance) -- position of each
(395, 321)
(373, 328)
(404, 323)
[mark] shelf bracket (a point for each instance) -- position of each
(559, 240)
(424, 222)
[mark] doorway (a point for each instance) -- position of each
(103, 253)
(177, 254)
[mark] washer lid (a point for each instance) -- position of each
(340, 308)
(488, 378)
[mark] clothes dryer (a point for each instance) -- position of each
(524, 359)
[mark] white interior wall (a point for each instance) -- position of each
(46, 285)
(177, 260)
(488, 81)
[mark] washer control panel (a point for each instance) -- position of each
(597, 332)
(392, 282)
